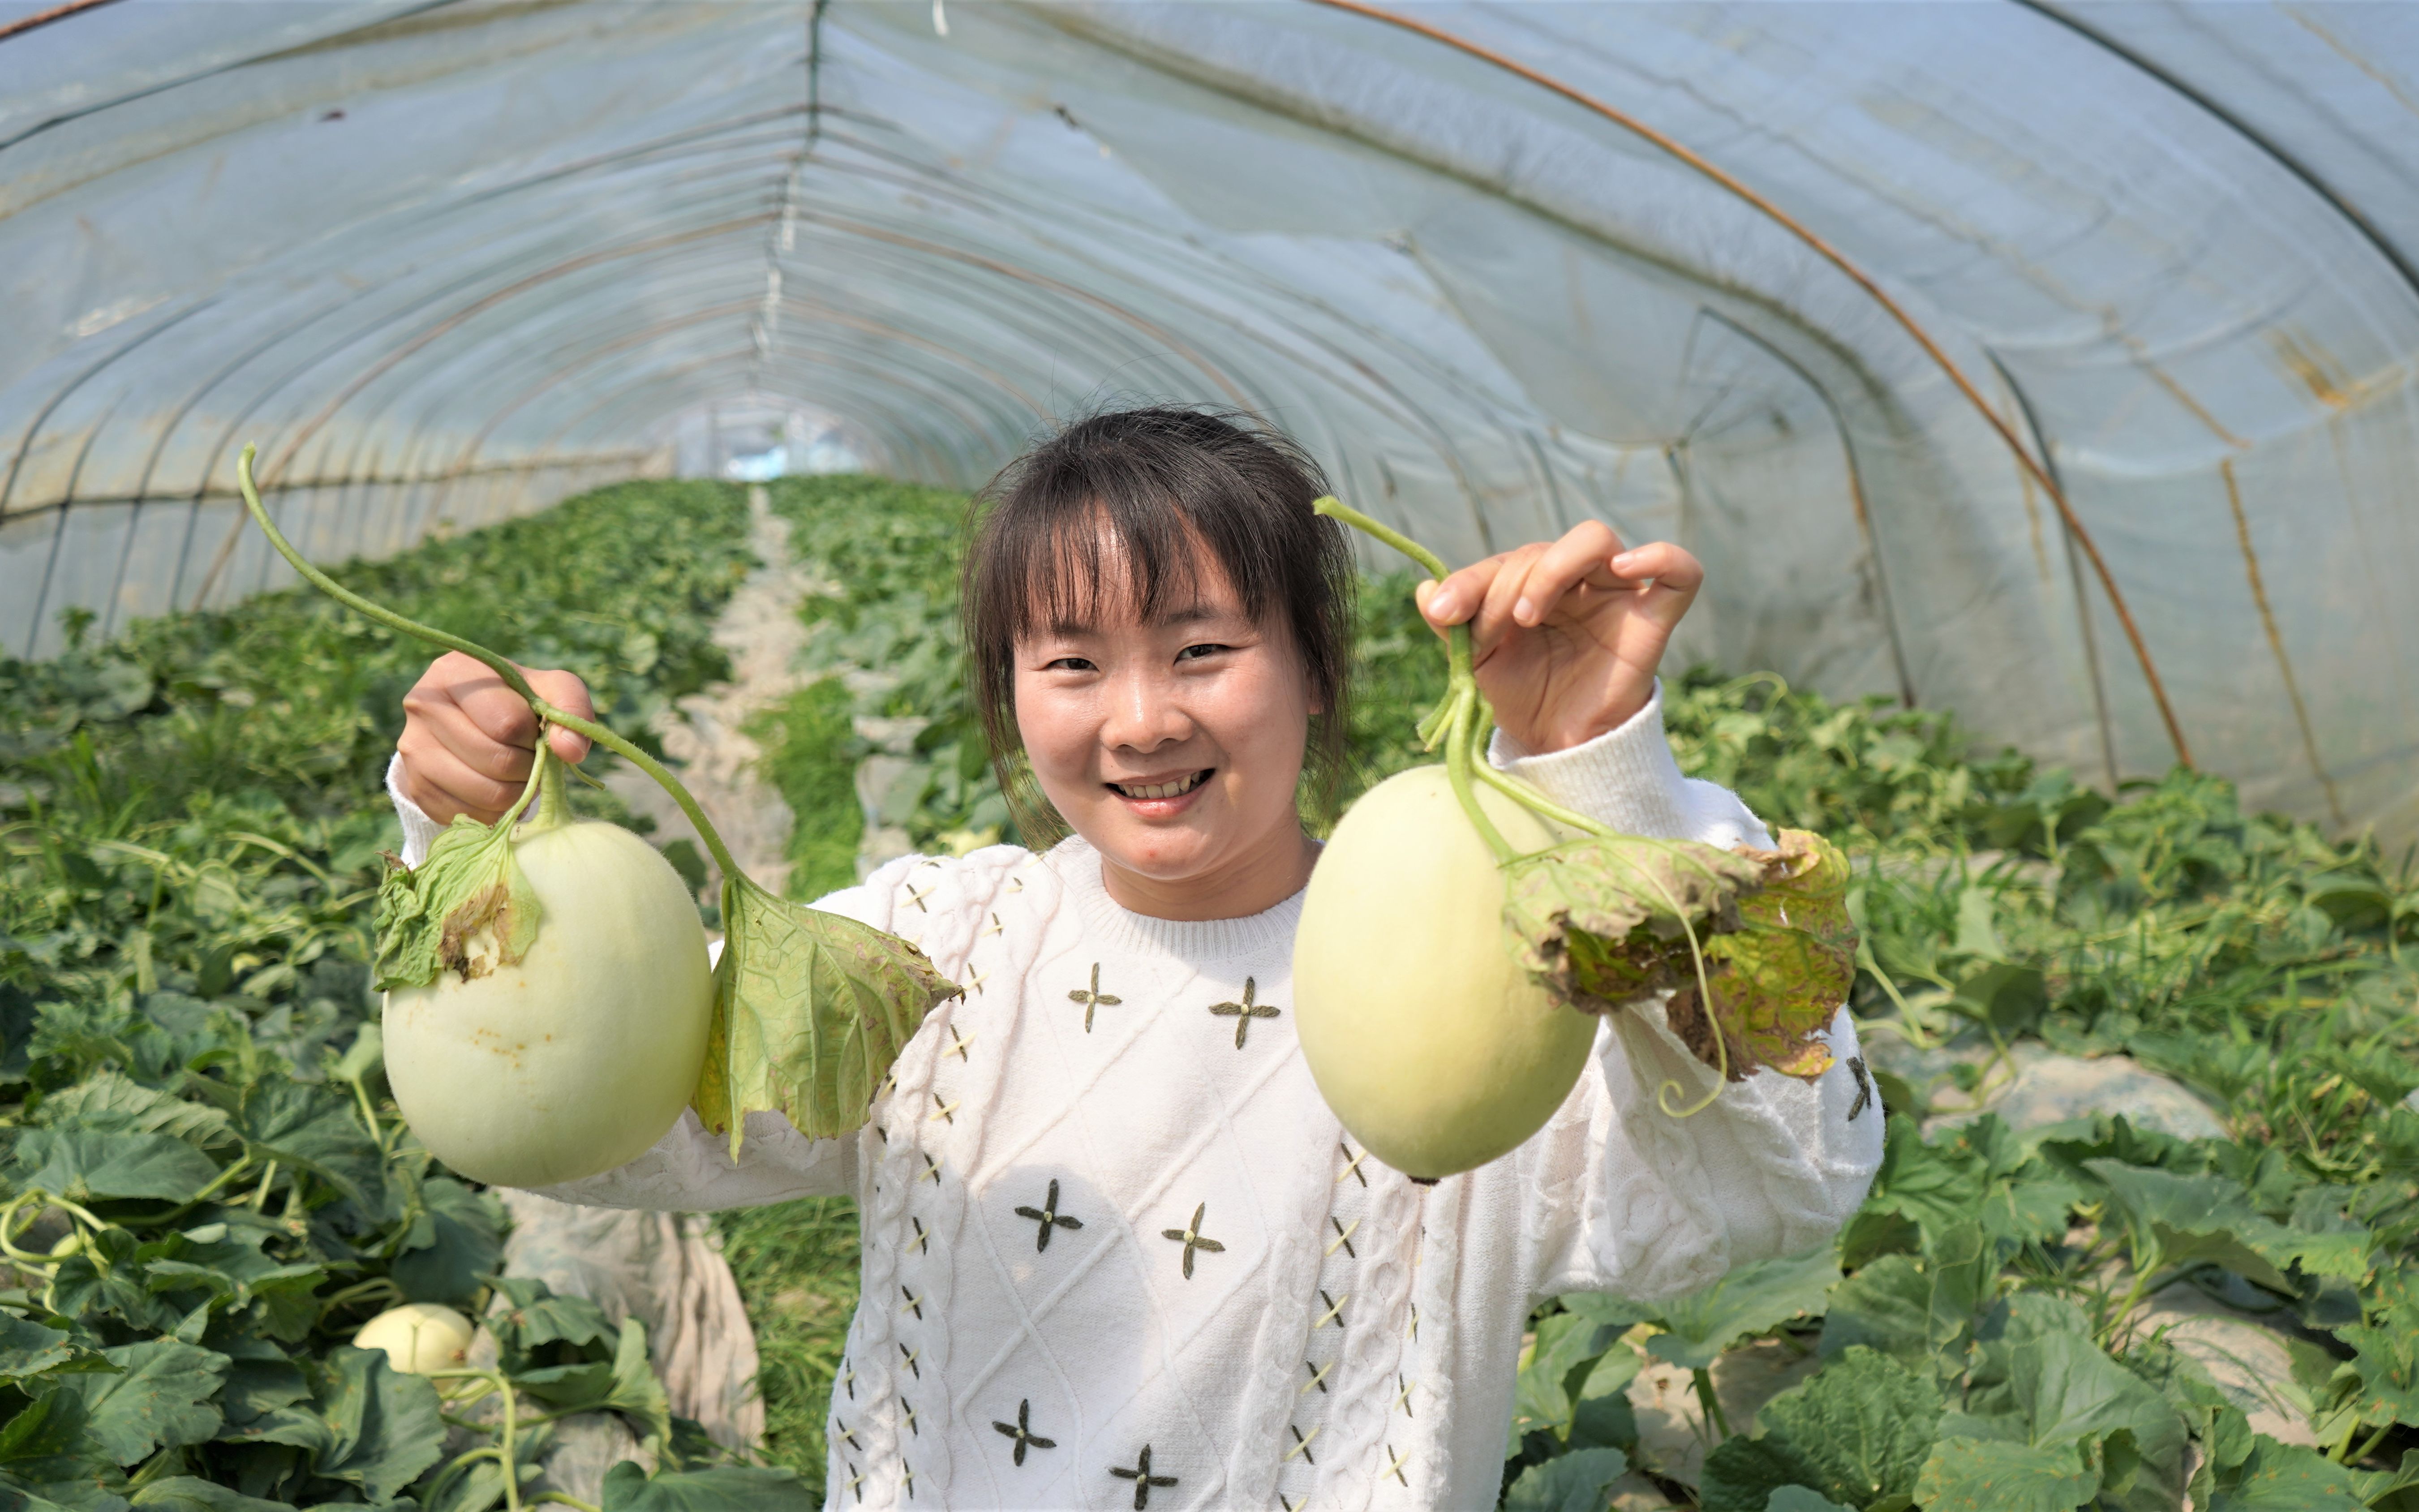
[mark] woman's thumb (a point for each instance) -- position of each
(565, 691)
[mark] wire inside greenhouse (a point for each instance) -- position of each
(760, 527)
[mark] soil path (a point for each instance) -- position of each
(705, 741)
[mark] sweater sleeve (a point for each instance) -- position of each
(1614, 1194)
(689, 1169)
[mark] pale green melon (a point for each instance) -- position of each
(419, 1337)
(580, 1057)
(1427, 1039)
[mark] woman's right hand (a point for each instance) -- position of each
(468, 741)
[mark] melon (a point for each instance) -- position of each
(1432, 1044)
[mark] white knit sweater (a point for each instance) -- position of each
(1032, 1322)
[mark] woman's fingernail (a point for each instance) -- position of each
(1440, 603)
(1524, 611)
(1621, 561)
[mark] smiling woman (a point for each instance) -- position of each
(1156, 620)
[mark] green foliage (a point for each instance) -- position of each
(884, 556)
(810, 755)
(204, 1189)
(1574, 1481)
(1858, 1432)
(795, 1264)
(1397, 678)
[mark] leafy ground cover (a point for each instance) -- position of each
(207, 1191)
(190, 824)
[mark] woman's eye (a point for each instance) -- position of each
(1196, 653)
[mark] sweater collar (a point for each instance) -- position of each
(1254, 936)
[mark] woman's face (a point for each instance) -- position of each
(1173, 745)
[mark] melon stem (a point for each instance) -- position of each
(1462, 718)
(553, 807)
(500, 667)
(1459, 739)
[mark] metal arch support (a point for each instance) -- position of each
(2274, 150)
(1857, 276)
(43, 18)
(1856, 488)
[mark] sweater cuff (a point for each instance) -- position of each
(418, 830)
(1625, 778)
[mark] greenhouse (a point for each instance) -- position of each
(2037, 382)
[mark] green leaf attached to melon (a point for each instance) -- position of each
(467, 907)
(809, 1010)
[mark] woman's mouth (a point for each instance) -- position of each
(1160, 792)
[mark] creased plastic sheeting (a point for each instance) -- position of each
(447, 263)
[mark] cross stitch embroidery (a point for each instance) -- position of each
(1022, 1431)
(1244, 1012)
(1190, 1236)
(1142, 1477)
(1048, 1217)
(1092, 997)
(1352, 1165)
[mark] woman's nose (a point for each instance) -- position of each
(1144, 713)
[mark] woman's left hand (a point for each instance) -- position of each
(1565, 635)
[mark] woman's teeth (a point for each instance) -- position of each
(1163, 790)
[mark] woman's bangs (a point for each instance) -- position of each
(1099, 564)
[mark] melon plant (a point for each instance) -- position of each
(1462, 933)
(549, 1010)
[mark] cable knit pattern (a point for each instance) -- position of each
(1099, 1192)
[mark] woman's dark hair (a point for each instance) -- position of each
(1167, 484)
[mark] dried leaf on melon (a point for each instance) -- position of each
(1780, 977)
(1598, 922)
